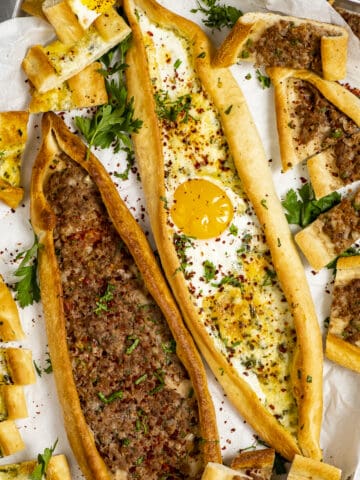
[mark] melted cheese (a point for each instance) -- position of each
(230, 278)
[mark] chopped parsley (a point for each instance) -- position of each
(229, 280)
(47, 369)
(113, 396)
(347, 253)
(102, 303)
(182, 243)
(171, 110)
(302, 208)
(209, 270)
(263, 79)
(135, 342)
(43, 460)
(27, 288)
(217, 16)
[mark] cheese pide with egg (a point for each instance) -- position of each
(220, 231)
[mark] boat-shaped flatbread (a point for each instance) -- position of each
(131, 384)
(10, 324)
(204, 173)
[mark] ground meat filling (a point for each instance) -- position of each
(347, 158)
(346, 305)
(342, 223)
(352, 19)
(285, 44)
(135, 394)
(318, 118)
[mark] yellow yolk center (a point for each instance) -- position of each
(201, 209)
(99, 6)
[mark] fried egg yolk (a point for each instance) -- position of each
(201, 209)
(99, 6)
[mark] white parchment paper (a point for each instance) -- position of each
(340, 437)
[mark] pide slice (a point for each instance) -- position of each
(10, 325)
(130, 381)
(229, 269)
(309, 469)
(57, 469)
(276, 40)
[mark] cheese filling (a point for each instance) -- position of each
(230, 277)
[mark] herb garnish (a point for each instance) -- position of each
(209, 270)
(169, 109)
(181, 244)
(350, 252)
(114, 122)
(304, 210)
(113, 396)
(217, 15)
(263, 79)
(48, 369)
(43, 461)
(102, 303)
(135, 343)
(27, 289)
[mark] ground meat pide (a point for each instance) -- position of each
(347, 157)
(285, 44)
(320, 118)
(135, 394)
(351, 18)
(346, 306)
(342, 223)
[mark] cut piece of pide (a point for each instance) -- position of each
(312, 114)
(130, 381)
(12, 402)
(10, 324)
(85, 89)
(49, 66)
(13, 136)
(16, 366)
(71, 18)
(257, 464)
(335, 167)
(276, 40)
(351, 17)
(10, 438)
(343, 337)
(220, 231)
(57, 469)
(217, 471)
(33, 7)
(331, 233)
(309, 469)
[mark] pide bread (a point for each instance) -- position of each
(351, 17)
(335, 167)
(311, 113)
(13, 136)
(16, 366)
(10, 325)
(131, 384)
(276, 40)
(309, 469)
(57, 469)
(331, 233)
(49, 66)
(33, 7)
(202, 183)
(86, 89)
(71, 18)
(343, 338)
(10, 438)
(258, 464)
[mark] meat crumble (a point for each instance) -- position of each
(346, 306)
(347, 158)
(135, 394)
(285, 44)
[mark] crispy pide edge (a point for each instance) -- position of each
(254, 171)
(58, 468)
(10, 438)
(253, 24)
(10, 325)
(57, 138)
(337, 349)
(337, 94)
(306, 468)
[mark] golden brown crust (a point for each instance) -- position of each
(13, 136)
(20, 365)
(86, 89)
(14, 401)
(258, 464)
(10, 439)
(217, 471)
(33, 7)
(256, 177)
(292, 152)
(251, 26)
(308, 469)
(56, 138)
(58, 469)
(337, 348)
(50, 66)
(66, 25)
(10, 325)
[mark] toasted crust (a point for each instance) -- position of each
(86, 89)
(217, 471)
(308, 469)
(316, 245)
(56, 138)
(14, 401)
(33, 7)
(50, 66)
(252, 25)
(258, 464)
(13, 136)
(256, 177)
(10, 325)
(10, 439)
(58, 469)
(282, 79)
(20, 365)
(337, 348)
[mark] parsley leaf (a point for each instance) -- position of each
(27, 289)
(350, 252)
(114, 122)
(43, 461)
(263, 79)
(217, 15)
(302, 207)
(169, 109)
